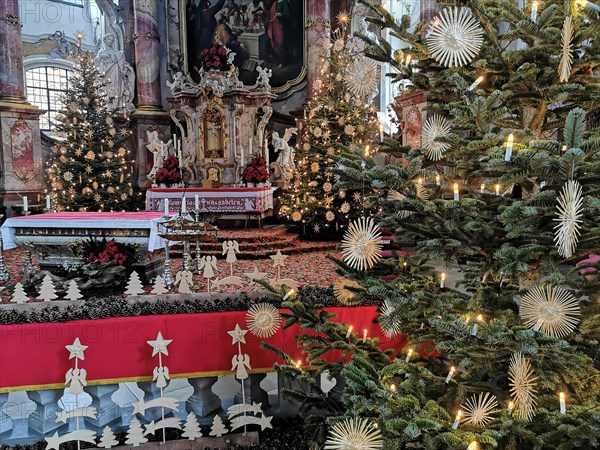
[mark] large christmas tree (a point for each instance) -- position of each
(90, 168)
(504, 194)
(339, 119)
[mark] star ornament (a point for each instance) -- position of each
(159, 345)
(278, 259)
(569, 212)
(522, 382)
(354, 434)
(361, 245)
(435, 127)
(237, 334)
(554, 311)
(256, 275)
(76, 349)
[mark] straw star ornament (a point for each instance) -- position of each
(566, 60)
(479, 408)
(263, 320)
(522, 384)
(345, 290)
(354, 434)
(569, 211)
(362, 77)
(553, 311)
(361, 245)
(435, 127)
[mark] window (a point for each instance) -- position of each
(45, 88)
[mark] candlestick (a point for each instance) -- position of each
(183, 205)
(457, 419)
(48, 204)
(166, 206)
(509, 147)
(476, 83)
(443, 280)
(482, 188)
(476, 325)
(349, 331)
(288, 295)
(25, 203)
(497, 187)
(380, 132)
(196, 202)
(450, 374)
(534, 10)
(409, 354)
(563, 406)
(364, 335)
(456, 193)
(438, 180)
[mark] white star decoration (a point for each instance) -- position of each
(278, 259)
(564, 67)
(362, 244)
(354, 434)
(570, 210)
(435, 127)
(160, 345)
(237, 334)
(76, 349)
(256, 275)
(553, 311)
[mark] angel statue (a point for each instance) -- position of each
(161, 375)
(285, 159)
(185, 279)
(180, 84)
(209, 264)
(77, 378)
(240, 362)
(264, 76)
(159, 149)
(230, 248)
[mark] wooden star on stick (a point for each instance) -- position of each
(160, 345)
(76, 350)
(237, 334)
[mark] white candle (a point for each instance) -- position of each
(365, 335)
(585, 3)
(450, 374)
(288, 295)
(166, 206)
(380, 132)
(25, 204)
(457, 420)
(443, 280)
(183, 205)
(48, 204)
(267, 155)
(250, 145)
(196, 202)
(563, 406)
(473, 446)
(409, 354)
(482, 188)
(497, 189)
(242, 158)
(456, 193)
(476, 83)
(476, 325)
(534, 10)
(349, 331)
(438, 180)
(509, 147)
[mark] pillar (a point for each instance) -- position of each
(6, 423)
(318, 17)
(43, 419)
(107, 411)
(203, 401)
(12, 86)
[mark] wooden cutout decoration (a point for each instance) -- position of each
(184, 279)
(258, 417)
(256, 275)
(278, 262)
(218, 427)
(19, 296)
(230, 248)
(135, 434)
(73, 292)
(209, 264)
(63, 416)
(159, 287)
(141, 406)
(240, 362)
(191, 428)
(292, 284)
(228, 281)
(134, 285)
(169, 422)
(55, 440)
(107, 440)
(76, 350)
(47, 290)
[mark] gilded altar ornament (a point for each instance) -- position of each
(478, 409)
(345, 290)
(522, 382)
(263, 320)
(566, 60)
(354, 434)
(554, 311)
(569, 212)
(361, 245)
(455, 38)
(435, 127)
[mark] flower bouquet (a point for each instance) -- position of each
(215, 59)
(256, 170)
(169, 173)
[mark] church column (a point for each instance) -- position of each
(318, 19)
(22, 167)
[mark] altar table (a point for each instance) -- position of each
(215, 200)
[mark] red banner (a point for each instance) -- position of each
(33, 356)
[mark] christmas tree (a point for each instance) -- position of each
(135, 434)
(90, 168)
(504, 190)
(107, 440)
(19, 294)
(159, 287)
(218, 427)
(73, 292)
(191, 429)
(134, 285)
(47, 290)
(340, 119)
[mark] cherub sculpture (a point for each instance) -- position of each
(285, 159)
(264, 76)
(159, 149)
(180, 84)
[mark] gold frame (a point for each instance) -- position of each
(276, 90)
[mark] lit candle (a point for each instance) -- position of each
(456, 194)
(196, 202)
(183, 205)
(365, 335)
(476, 83)
(473, 446)
(367, 151)
(267, 155)
(380, 132)
(408, 59)
(349, 331)
(450, 374)
(409, 354)
(534, 10)
(288, 295)
(476, 325)
(249, 146)
(563, 406)
(482, 188)
(48, 204)
(511, 406)
(564, 148)
(299, 363)
(25, 203)
(585, 3)
(438, 180)
(457, 419)
(166, 206)
(179, 154)
(443, 280)
(509, 147)
(497, 189)
(393, 387)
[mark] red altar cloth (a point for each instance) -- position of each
(33, 356)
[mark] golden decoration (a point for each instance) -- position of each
(522, 386)
(478, 409)
(553, 311)
(361, 245)
(263, 320)
(354, 434)
(570, 210)
(362, 77)
(435, 127)
(341, 291)
(566, 60)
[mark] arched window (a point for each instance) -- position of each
(46, 86)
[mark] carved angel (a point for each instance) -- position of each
(240, 362)
(231, 248)
(184, 279)
(159, 149)
(77, 379)
(264, 76)
(161, 375)
(286, 153)
(209, 264)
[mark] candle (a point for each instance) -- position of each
(48, 204)
(267, 155)
(409, 354)
(380, 132)
(482, 188)
(511, 406)
(25, 203)
(179, 154)
(497, 189)
(438, 180)
(457, 419)
(456, 194)
(183, 205)
(367, 151)
(196, 202)
(509, 147)
(450, 374)
(564, 148)
(443, 280)
(563, 406)
(349, 331)
(476, 83)
(249, 146)
(288, 295)
(408, 59)
(534, 10)
(166, 206)
(538, 325)
(476, 325)
(473, 446)
(299, 363)
(585, 3)
(365, 335)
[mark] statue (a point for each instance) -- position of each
(363, 31)
(160, 150)
(180, 84)
(284, 164)
(264, 75)
(118, 76)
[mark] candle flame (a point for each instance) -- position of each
(562, 396)
(459, 414)
(510, 139)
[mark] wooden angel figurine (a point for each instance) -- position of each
(209, 264)
(239, 363)
(184, 279)
(77, 379)
(161, 375)
(230, 248)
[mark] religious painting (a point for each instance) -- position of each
(266, 33)
(23, 163)
(213, 174)
(213, 124)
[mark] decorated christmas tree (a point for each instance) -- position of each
(90, 168)
(504, 194)
(339, 119)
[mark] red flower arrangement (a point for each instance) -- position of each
(215, 58)
(111, 252)
(256, 170)
(169, 173)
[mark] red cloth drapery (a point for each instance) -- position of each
(33, 356)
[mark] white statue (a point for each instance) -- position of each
(180, 84)
(118, 76)
(160, 150)
(363, 30)
(264, 76)
(286, 153)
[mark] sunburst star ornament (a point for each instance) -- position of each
(343, 293)
(354, 434)
(435, 127)
(569, 211)
(456, 38)
(478, 409)
(553, 311)
(361, 246)
(362, 77)
(522, 386)
(263, 320)
(566, 60)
